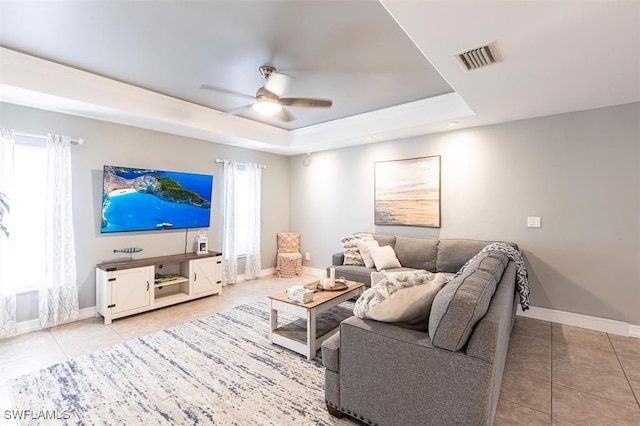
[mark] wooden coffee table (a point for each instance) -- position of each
(318, 321)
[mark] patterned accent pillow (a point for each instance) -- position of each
(404, 297)
(377, 277)
(288, 242)
(352, 254)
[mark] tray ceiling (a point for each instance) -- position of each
(352, 52)
(390, 66)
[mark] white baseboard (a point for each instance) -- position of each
(34, 325)
(268, 271)
(585, 321)
(313, 271)
(263, 273)
(567, 318)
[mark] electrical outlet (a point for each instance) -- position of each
(533, 222)
(307, 256)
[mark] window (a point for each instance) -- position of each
(242, 209)
(28, 211)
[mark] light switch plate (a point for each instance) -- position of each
(533, 222)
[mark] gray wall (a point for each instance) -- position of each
(580, 172)
(108, 143)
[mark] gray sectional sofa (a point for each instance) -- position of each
(431, 254)
(386, 374)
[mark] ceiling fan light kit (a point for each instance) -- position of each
(268, 100)
(267, 107)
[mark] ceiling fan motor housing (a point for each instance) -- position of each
(263, 95)
(266, 71)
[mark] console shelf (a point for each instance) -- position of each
(131, 287)
(178, 280)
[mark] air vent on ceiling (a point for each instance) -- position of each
(478, 57)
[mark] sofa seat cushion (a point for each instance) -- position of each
(401, 298)
(464, 300)
(331, 353)
(353, 273)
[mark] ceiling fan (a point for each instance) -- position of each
(267, 100)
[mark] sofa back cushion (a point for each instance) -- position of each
(418, 253)
(454, 253)
(463, 301)
(385, 240)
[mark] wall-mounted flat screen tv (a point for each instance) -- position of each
(144, 199)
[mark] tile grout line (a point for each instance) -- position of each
(119, 335)
(623, 371)
(551, 345)
(525, 406)
(597, 396)
(589, 393)
(58, 343)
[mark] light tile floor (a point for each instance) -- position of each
(562, 375)
(554, 374)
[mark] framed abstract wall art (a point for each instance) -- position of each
(407, 192)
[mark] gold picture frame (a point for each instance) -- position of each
(407, 192)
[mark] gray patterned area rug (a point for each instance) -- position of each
(218, 370)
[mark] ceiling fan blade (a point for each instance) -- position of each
(284, 115)
(231, 92)
(304, 102)
(277, 83)
(234, 111)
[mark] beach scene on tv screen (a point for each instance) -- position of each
(143, 199)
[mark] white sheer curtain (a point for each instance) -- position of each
(7, 273)
(58, 294)
(252, 267)
(229, 222)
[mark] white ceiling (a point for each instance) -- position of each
(389, 66)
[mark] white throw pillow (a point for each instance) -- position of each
(403, 298)
(384, 257)
(364, 247)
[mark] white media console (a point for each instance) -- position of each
(130, 287)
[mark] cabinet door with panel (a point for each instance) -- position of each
(130, 289)
(206, 275)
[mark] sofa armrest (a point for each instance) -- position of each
(490, 338)
(392, 375)
(337, 259)
(331, 353)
